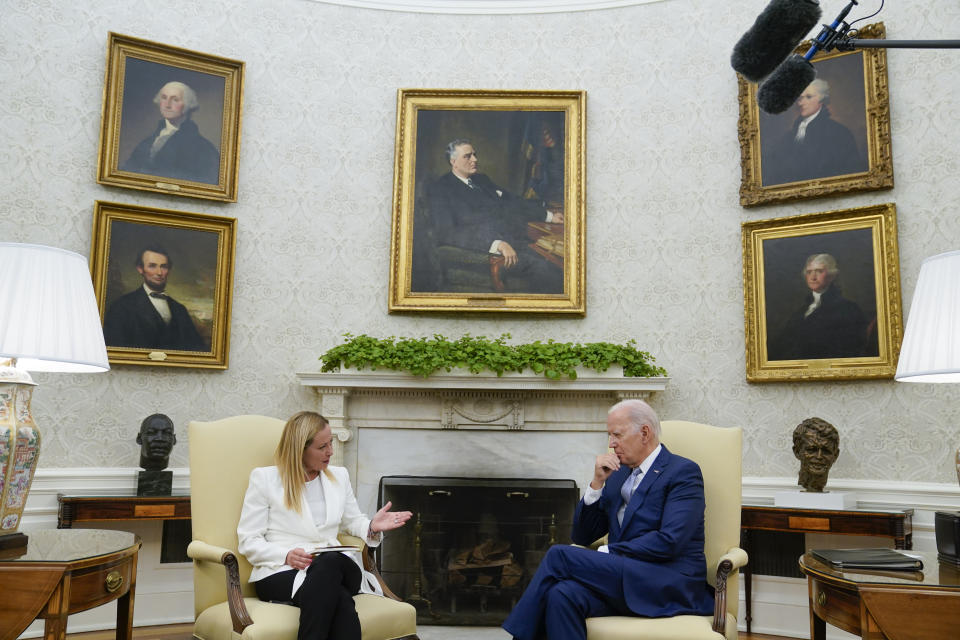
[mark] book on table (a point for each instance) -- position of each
(336, 547)
(885, 559)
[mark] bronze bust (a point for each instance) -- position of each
(816, 444)
(156, 439)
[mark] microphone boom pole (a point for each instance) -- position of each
(852, 44)
(782, 87)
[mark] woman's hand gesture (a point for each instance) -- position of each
(386, 520)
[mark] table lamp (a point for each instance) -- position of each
(931, 353)
(49, 321)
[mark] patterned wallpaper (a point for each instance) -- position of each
(316, 163)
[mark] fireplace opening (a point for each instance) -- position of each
(472, 544)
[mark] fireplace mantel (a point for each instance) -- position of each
(485, 381)
(380, 399)
(452, 424)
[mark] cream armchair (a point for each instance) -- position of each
(226, 607)
(718, 452)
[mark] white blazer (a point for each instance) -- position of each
(268, 529)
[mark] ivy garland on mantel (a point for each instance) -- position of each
(425, 356)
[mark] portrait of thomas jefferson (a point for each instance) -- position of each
(825, 305)
(171, 122)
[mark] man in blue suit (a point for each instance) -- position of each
(650, 503)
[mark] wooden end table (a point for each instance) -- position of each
(884, 605)
(65, 571)
(112, 508)
(894, 524)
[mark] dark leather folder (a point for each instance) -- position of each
(885, 559)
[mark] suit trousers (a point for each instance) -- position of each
(325, 598)
(570, 585)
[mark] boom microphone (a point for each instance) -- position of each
(785, 85)
(777, 31)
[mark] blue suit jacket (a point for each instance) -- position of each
(661, 538)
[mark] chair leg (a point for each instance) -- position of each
(496, 266)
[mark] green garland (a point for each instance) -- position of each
(424, 356)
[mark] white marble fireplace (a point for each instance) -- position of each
(466, 425)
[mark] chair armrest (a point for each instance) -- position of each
(200, 551)
(737, 558)
(729, 562)
(366, 554)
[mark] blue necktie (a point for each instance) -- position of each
(626, 491)
(630, 485)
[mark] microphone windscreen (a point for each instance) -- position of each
(777, 31)
(784, 86)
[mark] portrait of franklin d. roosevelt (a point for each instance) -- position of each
(489, 209)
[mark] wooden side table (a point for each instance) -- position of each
(108, 508)
(878, 605)
(68, 571)
(897, 525)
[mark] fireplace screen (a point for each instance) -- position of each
(472, 544)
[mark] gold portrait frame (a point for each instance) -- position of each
(428, 119)
(199, 244)
(135, 72)
(867, 116)
(863, 241)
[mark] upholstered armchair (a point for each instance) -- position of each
(718, 452)
(446, 268)
(226, 607)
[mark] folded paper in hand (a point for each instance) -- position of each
(868, 559)
(338, 547)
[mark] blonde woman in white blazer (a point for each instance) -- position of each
(299, 505)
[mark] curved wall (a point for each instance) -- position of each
(316, 167)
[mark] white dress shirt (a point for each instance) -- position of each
(802, 129)
(159, 303)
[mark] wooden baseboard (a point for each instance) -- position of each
(162, 632)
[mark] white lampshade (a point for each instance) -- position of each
(931, 342)
(49, 319)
